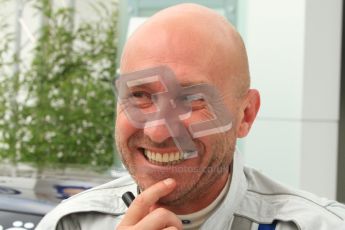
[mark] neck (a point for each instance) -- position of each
(201, 202)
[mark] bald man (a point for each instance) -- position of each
(212, 189)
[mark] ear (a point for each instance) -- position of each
(249, 110)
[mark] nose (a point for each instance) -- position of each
(158, 133)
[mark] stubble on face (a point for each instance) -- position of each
(216, 154)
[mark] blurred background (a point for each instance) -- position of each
(58, 59)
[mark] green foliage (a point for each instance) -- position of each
(65, 113)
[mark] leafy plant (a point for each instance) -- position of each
(65, 111)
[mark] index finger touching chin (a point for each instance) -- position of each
(142, 203)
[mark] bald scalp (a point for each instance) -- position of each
(194, 35)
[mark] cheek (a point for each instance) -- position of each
(123, 129)
(198, 117)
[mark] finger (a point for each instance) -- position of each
(160, 219)
(170, 228)
(142, 203)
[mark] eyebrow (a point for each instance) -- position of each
(143, 81)
(190, 83)
(182, 84)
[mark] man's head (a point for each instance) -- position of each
(200, 47)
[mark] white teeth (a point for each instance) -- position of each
(166, 158)
(171, 157)
(177, 156)
(158, 157)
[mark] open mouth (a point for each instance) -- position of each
(166, 158)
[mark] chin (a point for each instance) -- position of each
(175, 198)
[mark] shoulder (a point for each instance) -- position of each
(267, 200)
(103, 199)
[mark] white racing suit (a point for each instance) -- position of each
(253, 202)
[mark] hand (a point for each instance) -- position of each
(142, 213)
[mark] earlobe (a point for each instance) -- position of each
(249, 112)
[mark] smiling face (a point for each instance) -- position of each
(216, 57)
(151, 154)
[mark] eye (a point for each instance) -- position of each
(140, 99)
(198, 104)
(196, 101)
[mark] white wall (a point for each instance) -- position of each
(294, 50)
(321, 96)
